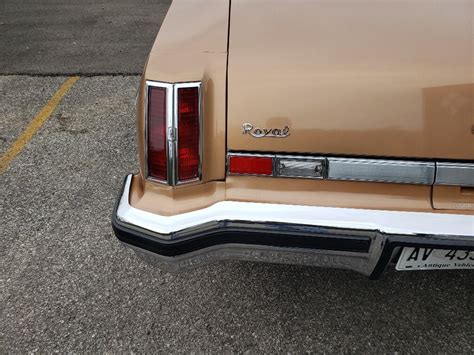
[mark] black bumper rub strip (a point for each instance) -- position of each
(241, 232)
(225, 232)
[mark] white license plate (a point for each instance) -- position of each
(435, 259)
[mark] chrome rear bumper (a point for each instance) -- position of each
(361, 240)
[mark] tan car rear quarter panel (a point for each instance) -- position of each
(192, 46)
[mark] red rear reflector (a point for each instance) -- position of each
(251, 165)
(188, 133)
(157, 133)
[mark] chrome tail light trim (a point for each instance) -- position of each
(176, 87)
(172, 130)
(169, 114)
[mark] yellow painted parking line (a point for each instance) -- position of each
(36, 124)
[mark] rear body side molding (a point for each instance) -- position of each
(369, 170)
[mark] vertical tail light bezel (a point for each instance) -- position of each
(172, 130)
(169, 113)
(176, 87)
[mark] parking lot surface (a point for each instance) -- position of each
(68, 285)
(81, 36)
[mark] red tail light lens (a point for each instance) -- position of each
(173, 132)
(251, 165)
(188, 133)
(156, 130)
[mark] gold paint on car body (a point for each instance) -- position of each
(384, 79)
(376, 78)
(453, 198)
(346, 194)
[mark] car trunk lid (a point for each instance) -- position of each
(388, 79)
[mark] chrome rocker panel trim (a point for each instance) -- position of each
(306, 235)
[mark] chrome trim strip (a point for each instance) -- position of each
(363, 263)
(458, 174)
(350, 169)
(172, 130)
(392, 222)
(395, 171)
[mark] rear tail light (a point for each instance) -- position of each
(188, 133)
(156, 139)
(250, 165)
(173, 132)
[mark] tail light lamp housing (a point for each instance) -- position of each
(173, 132)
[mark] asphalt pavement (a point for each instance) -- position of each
(67, 285)
(81, 36)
